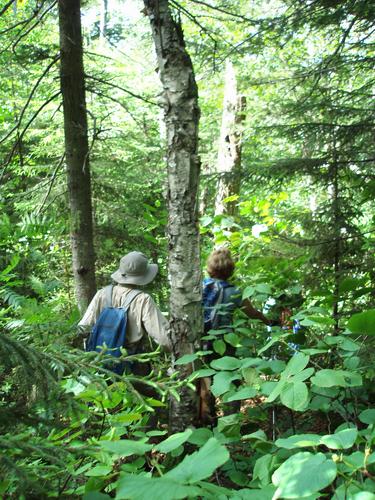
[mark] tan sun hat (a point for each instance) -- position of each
(135, 270)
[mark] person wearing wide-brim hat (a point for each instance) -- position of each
(144, 316)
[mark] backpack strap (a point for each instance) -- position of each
(129, 298)
(108, 295)
(216, 306)
(220, 295)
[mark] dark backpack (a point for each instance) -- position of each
(109, 330)
(220, 298)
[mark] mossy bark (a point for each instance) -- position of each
(77, 150)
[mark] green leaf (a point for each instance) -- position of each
(352, 492)
(263, 288)
(248, 292)
(303, 474)
(174, 441)
(295, 396)
(313, 352)
(232, 339)
(251, 377)
(349, 345)
(155, 403)
(296, 364)
(276, 391)
(229, 425)
(187, 358)
(238, 477)
(205, 220)
(219, 346)
(124, 418)
(140, 487)
(303, 375)
(125, 447)
(226, 363)
(99, 470)
(340, 378)
(299, 441)
(262, 468)
(363, 323)
(266, 493)
(200, 464)
(96, 495)
(353, 462)
(204, 372)
(156, 433)
(352, 363)
(244, 393)
(350, 284)
(267, 387)
(259, 435)
(367, 416)
(317, 320)
(269, 344)
(222, 381)
(340, 440)
(200, 436)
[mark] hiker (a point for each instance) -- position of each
(217, 291)
(220, 300)
(144, 318)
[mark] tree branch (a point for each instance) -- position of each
(6, 7)
(127, 91)
(58, 166)
(18, 124)
(20, 137)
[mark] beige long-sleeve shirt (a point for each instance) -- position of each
(144, 317)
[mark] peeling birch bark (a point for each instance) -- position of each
(181, 114)
(77, 151)
(229, 155)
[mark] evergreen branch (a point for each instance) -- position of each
(20, 137)
(51, 182)
(127, 91)
(46, 207)
(37, 187)
(193, 18)
(19, 23)
(40, 19)
(228, 12)
(326, 64)
(304, 242)
(6, 7)
(117, 101)
(33, 90)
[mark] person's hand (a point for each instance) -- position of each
(285, 318)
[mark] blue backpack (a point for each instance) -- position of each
(109, 330)
(220, 299)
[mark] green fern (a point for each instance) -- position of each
(12, 298)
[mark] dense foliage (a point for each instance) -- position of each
(296, 413)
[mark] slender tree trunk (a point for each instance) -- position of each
(103, 19)
(77, 150)
(336, 209)
(182, 118)
(229, 156)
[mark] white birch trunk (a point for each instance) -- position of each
(181, 118)
(229, 155)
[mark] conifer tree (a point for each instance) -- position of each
(77, 150)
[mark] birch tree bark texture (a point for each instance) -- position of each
(181, 113)
(230, 144)
(77, 150)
